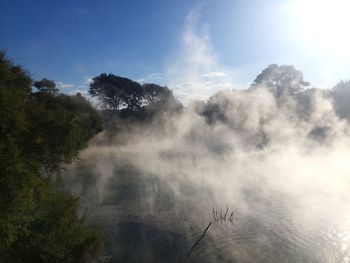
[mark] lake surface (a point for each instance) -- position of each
(143, 221)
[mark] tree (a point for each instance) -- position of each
(64, 125)
(118, 93)
(57, 234)
(154, 93)
(40, 132)
(16, 174)
(46, 85)
(341, 96)
(115, 92)
(281, 79)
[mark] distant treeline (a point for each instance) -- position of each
(128, 99)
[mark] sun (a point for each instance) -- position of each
(324, 24)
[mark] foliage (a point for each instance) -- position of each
(341, 96)
(281, 79)
(116, 92)
(46, 85)
(121, 94)
(154, 93)
(38, 133)
(73, 116)
(60, 235)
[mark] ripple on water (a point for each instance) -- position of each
(271, 236)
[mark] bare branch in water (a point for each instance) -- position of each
(227, 208)
(197, 242)
(231, 217)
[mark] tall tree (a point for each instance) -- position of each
(115, 92)
(46, 85)
(130, 98)
(281, 79)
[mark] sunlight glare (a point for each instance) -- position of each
(325, 24)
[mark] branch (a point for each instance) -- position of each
(197, 242)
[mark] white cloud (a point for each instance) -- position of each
(214, 74)
(88, 80)
(81, 91)
(72, 89)
(62, 85)
(200, 90)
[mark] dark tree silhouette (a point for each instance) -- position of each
(46, 86)
(129, 97)
(115, 92)
(281, 79)
(154, 93)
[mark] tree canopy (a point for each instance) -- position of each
(154, 93)
(281, 78)
(341, 96)
(46, 85)
(117, 93)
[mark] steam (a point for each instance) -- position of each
(242, 147)
(279, 162)
(195, 71)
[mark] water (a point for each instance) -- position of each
(272, 237)
(144, 221)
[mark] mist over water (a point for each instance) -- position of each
(280, 163)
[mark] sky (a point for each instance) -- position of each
(194, 47)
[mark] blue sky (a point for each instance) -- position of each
(194, 47)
